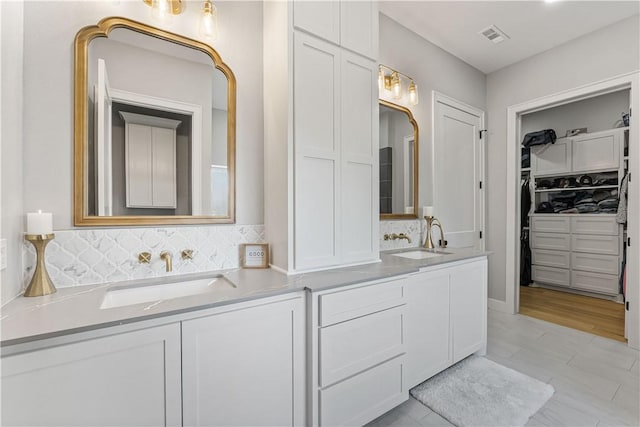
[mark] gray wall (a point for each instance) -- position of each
(433, 69)
(606, 53)
(49, 31)
(596, 114)
(12, 212)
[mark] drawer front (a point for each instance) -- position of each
(354, 346)
(344, 305)
(606, 245)
(363, 398)
(549, 258)
(554, 241)
(595, 282)
(557, 224)
(607, 264)
(595, 225)
(551, 275)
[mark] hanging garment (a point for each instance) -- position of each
(525, 259)
(525, 203)
(621, 216)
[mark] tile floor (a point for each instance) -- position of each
(597, 380)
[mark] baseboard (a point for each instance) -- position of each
(497, 305)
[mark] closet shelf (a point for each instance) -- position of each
(555, 190)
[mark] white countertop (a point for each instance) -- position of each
(77, 309)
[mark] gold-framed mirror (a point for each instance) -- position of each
(155, 128)
(398, 162)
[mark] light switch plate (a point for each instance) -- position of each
(3, 254)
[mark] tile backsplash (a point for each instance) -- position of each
(413, 228)
(83, 257)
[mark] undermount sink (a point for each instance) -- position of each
(135, 295)
(420, 254)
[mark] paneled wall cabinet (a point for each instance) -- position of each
(196, 372)
(321, 133)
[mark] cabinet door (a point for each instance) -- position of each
(320, 18)
(316, 127)
(359, 27)
(164, 168)
(596, 152)
(139, 166)
(551, 158)
(130, 379)
(427, 326)
(468, 308)
(359, 159)
(245, 367)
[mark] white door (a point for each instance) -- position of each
(458, 160)
(103, 142)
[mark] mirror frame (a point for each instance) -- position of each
(416, 171)
(80, 169)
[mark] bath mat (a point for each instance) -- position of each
(479, 392)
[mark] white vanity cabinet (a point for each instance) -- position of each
(321, 134)
(125, 379)
(357, 352)
(446, 318)
(245, 367)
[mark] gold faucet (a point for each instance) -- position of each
(168, 259)
(428, 242)
(395, 236)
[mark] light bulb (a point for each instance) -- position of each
(413, 93)
(396, 86)
(209, 21)
(161, 10)
(380, 79)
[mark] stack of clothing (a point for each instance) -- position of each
(572, 202)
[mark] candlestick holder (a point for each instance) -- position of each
(41, 283)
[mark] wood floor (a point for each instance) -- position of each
(596, 380)
(588, 314)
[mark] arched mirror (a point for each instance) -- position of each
(154, 128)
(398, 162)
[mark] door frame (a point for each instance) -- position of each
(629, 81)
(469, 109)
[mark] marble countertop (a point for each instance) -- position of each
(77, 309)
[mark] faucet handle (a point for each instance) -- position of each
(144, 257)
(187, 254)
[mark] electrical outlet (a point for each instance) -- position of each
(3, 254)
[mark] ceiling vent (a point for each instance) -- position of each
(494, 34)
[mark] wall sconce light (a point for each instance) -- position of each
(392, 81)
(209, 21)
(164, 10)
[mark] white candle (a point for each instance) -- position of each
(408, 209)
(39, 223)
(427, 211)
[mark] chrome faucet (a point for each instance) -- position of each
(395, 236)
(428, 242)
(168, 260)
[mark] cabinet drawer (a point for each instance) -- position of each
(551, 275)
(607, 264)
(607, 245)
(550, 224)
(549, 258)
(363, 398)
(351, 347)
(554, 241)
(595, 282)
(344, 305)
(595, 225)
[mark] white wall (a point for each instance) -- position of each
(50, 28)
(596, 114)
(609, 52)
(11, 15)
(433, 69)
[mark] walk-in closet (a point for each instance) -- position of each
(574, 173)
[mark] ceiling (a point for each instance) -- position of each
(533, 26)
